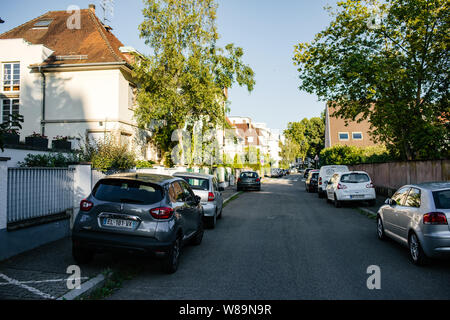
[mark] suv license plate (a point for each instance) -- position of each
(357, 197)
(118, 223)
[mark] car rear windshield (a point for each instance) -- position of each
(315, 175)
(197, 183)
(355, 178)
(249, 175)
(442, 199)
(127, 191)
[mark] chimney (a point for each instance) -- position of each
(92, 8)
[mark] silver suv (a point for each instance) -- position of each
(153, 214)
(206, 187)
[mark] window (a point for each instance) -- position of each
(176, 194)
(43, 23)
(9, 106)
(250, 139)
(125, 191)
(355, 178)
(413, 199)
(11, 76)
(197, 183)
(442, 199)
(187, 194)
(357, 136)
(400, 195)
(343, 136)
(132, 91)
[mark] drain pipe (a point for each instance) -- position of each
(43, 102)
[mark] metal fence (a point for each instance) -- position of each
(39, 192)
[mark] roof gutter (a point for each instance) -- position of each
(72, 65)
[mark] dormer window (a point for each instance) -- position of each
(43, 23)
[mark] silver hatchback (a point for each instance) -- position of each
(206, 187)
(417, 216)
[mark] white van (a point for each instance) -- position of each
(326, 172)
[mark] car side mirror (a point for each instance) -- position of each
(390, 202)
(197, 200)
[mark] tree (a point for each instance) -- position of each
(315, 135)
(290, 151)
(387, 62)
(296, 133)
(184, 80)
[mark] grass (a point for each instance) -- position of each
(114, 281)
(367, 214)
(232, 198)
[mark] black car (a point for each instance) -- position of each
(146, 213)
(249, 180)
(312, 181)
(305, 175)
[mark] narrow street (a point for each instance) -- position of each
(284, 243)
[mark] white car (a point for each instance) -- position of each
(350, 186)
(326, 172)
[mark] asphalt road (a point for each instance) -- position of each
(283, 243)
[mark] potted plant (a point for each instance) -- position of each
(11, 137)
(37, 140)
(61, 143)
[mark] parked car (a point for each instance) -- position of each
(417, 216)
(350, 186)
(148, 213)
(326, 172)
(311, 181)
(306, 172)
(275, 173)
(206, 187)
(249, 180)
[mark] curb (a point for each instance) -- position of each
(368, 212)
(230, 197)
(86, 288)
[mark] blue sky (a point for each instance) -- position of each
(267, 30)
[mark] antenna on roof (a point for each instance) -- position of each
(108, 10)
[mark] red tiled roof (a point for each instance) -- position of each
(92, 39)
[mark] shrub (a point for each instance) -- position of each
(112, 156)
(351, 155)
(144, 164)
(48, 160)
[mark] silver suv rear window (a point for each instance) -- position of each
(127, 191)
(197, 183)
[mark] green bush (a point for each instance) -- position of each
(142, 164)
(48, 160)
(351, 155)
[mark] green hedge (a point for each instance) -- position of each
(351, 155)
(48, 160)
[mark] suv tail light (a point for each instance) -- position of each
(320, 181)
(211, 196)
(341, 186)
(258, 180)
(239, 179)
(162, 213)
(370, 185)
(435, 218)
(86, 205)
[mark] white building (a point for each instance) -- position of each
(70, 80)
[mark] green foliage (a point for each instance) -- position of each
(289, 152)
(58, 160)
(107, 155)
(309, 135)
(142, 164)
(11, 125)
(185, 78)
(388, 62)
(351, 155)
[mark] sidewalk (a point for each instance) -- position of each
(42, 273)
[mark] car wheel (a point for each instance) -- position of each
(380, 229)
(82, 255)
(416, 253)
(170, 264)
(337, 203)
(220, 214)
(199, 236)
